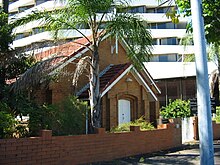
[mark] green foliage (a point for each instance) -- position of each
(21, 131)
(38, 119)
(125, 127)
(72, 117)
(6, 37)
(18, 102)
(123, 26)
(12, 63)
(217, 118)
(7, 122)
(175, 109)
(65, 118)
(19, 65)
(10, 107)
(132, 30)
(77, 13)
(211, 14)
(172, 13)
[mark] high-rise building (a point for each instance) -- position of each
(166, 34)
(175, 78)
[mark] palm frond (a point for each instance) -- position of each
(80, 67)
(37, 74)
(131, 30)
(187, 39)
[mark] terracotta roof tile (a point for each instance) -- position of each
(108, 78)
(67, 49)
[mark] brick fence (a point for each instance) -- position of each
(101, 146)
(216, 129)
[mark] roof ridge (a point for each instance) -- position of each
(125, 66)
(100, 75)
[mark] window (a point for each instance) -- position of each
(161, 26)
(172, 58)
(162, 10)
(23, 8)
(22, 35)
(181, 25)
(12, 13)
(150, 10)
(166, 25)
(155, 58)
(153, 26)
(19, 36)
(165, 58)
(38, 30)
(140, 9)
(38, 2)
(168, 41)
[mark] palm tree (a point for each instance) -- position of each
(118, 24)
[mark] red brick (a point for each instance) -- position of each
(80, 149)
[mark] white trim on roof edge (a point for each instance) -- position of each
(151, 79)
(74, 57)
(122, 75)
(70, 60)
(145, 84)
(146, 72)
(116, 80)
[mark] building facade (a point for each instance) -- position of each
(126, 93)
(166, 35)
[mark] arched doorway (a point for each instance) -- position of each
(124, 111)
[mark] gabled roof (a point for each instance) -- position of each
(69, 49)
(107, 76)
(113, 74)
(72, 50)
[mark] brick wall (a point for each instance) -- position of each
(215, 126)
(216, 130)
(136, 94)
(87, 148)
(63, 87)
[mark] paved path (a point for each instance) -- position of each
(187, 155)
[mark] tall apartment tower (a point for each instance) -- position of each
(166, 34)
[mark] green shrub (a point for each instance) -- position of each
(7, 122)
(71, 119)
(9, 126)
(125, 127)
(41, 117)
(175, 109)
(65, 118)
(21, 131)
(217, 118)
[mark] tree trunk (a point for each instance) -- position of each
(5, 5)
(95, 98)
